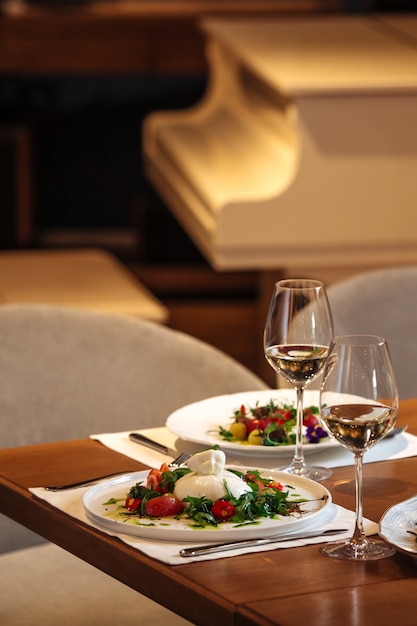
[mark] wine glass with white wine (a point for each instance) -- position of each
(358, 406)
(297, 336)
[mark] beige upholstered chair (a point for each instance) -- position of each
(382, 302)
(66, 374)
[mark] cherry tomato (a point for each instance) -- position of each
(273, 484)
(264, 423)
(239, 430)
(223, 510)
(282, 414)
(154, 478)
(252, 478)
(255, 437)
(310, 420)
(252, 425)
(132, 504)
(164, 505)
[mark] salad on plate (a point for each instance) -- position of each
(272, 424)
(207, 494)
(206, 497)
(269, 418)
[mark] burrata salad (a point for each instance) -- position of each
(206, 493)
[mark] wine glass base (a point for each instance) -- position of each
(308, 471)
(365, 550)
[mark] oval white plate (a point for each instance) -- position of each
(170, 529)
(199, 422)
(395, 523)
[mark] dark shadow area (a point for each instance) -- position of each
(86, 153)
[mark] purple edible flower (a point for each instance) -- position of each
(315, 433)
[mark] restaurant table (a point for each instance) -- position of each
(282, 587)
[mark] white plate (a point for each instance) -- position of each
(395, 523)
(199, 422)
(170, 529)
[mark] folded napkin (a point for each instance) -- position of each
(168, 552)
(120, 442)
(401, 446)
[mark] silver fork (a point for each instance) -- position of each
(180, 460)
(396, 431)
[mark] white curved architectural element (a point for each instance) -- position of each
(303, 149)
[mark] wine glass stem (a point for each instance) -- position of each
(299, 454)
(359, 533)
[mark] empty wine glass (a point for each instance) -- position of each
(358, 405)
(297, 336)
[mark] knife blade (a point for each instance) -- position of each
(150, 443)
(232, 545)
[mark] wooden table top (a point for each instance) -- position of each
(288, 587)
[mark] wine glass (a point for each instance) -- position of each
(358, 405)
(297, 336)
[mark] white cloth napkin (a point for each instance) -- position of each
(401, 446)
(168, 552)
(120, 442)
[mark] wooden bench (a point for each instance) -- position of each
(85, 278)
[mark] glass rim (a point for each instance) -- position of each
(299, 283)
(359, 339)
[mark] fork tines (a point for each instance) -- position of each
(180, 460)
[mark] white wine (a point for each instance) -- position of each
(358, 426)
(297, 363)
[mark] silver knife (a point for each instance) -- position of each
(219, 547)
(145, 441)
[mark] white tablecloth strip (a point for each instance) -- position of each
(168, 552)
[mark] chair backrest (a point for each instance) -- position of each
(66, 373)
(382, 302)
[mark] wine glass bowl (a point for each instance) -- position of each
(297, 336)
(298, 364)
(358, 426)
(358, 406)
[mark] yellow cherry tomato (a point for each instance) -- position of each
(255, 437)
(239, 430)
